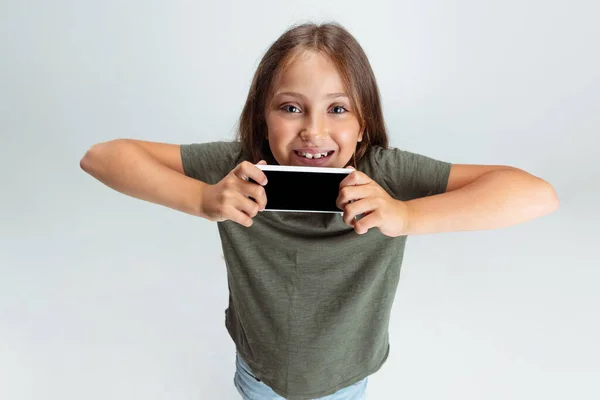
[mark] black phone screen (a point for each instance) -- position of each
(303, 191)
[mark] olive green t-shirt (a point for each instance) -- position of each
(309, 299)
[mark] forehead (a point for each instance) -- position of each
(310, 71)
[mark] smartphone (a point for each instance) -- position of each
(303, 189)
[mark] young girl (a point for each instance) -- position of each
(310, 294)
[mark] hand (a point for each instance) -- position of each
(234, 197)
(360, 194)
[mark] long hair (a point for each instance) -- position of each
(351, 62)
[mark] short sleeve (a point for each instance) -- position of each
(210, 162)
(410, 175)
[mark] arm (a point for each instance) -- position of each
(478, 198)
(145, 170)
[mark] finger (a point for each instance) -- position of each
(351, 193)
(240, 217)
(346, 195)
(256, 193)
(247, 206)
(367, 222)
(355, 178)
(354, 209)
(262, 162)
(247, 170)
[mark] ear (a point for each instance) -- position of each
(360, 136)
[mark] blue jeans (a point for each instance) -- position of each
(252, 389)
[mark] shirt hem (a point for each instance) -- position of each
(321, 393)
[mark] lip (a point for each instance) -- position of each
(311, 162)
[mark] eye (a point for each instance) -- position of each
(338, 110)
(290, 108)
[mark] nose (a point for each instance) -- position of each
(314, 129)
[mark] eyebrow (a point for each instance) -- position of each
(294, 94)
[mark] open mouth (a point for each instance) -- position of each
(315, 156)
(312, 158)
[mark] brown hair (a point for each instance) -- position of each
(348, 57)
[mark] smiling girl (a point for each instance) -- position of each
(310, 294)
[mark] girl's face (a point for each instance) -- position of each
(310, 120)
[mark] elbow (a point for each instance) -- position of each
(93, 156)
(87, 161)
(96, 156)
(551, 202)
(84, 163)
(554, 199)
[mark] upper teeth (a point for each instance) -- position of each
(316, 155)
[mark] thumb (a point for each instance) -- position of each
(350, 167)
(261, 162)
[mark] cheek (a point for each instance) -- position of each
(348, 125)
(279, 129)
(347, 133)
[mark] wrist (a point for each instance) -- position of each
(406, 215)
(196, 199)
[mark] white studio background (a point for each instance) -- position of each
(106, 297)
